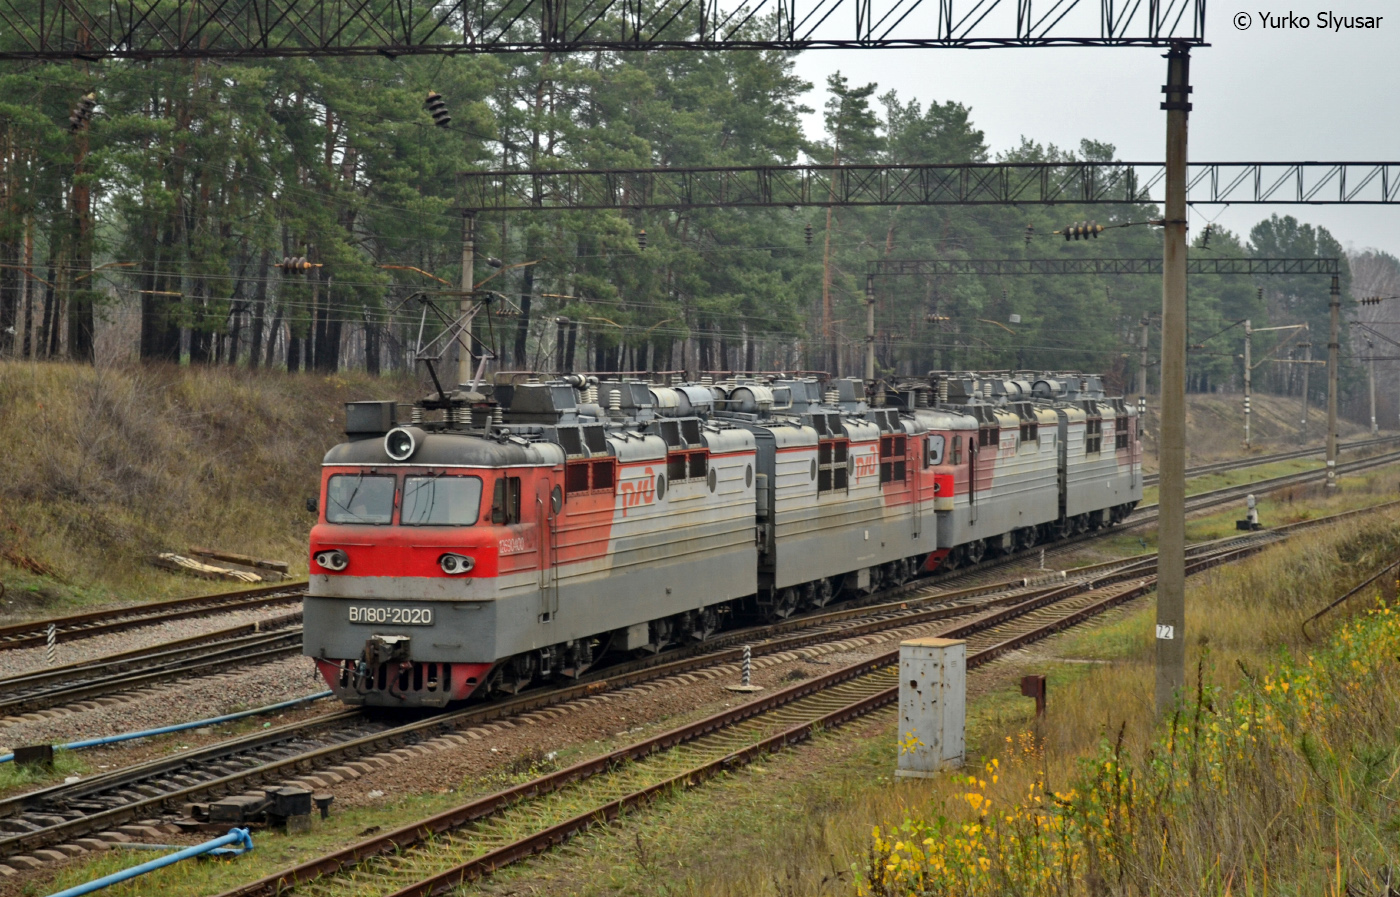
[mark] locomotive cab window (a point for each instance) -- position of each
(356, 498)
(505, 503)
(933, 451)
(441, 501)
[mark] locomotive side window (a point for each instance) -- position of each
(1093, 436)
(699, 465)
(892, 449)
(603, 475)
(675, 466)
(440, 501)
(505, 502)
(1120, 437)
(832, 475)
(356, 498)
(933, 454)
(957, 449)
(576, 477)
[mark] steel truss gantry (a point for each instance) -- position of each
(993, 183)
(150, 29)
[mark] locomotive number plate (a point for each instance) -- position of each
(393, 616)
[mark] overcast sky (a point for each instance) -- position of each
(1260, 95)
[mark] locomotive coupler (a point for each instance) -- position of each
(381, 649)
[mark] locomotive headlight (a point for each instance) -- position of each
(335, 560)
(453, 564)
(400, 443)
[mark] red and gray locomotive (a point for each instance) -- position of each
(516, 534)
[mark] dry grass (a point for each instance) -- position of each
(801, 823)
(104, 466)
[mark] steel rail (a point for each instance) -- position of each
(414, 732)
(1146, 514)
(1244, 464)
(489, 805)
(99, 622)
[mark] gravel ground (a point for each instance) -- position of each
(166, 705)
(17, 661)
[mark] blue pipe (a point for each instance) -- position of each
(165, 730)
(237, 836)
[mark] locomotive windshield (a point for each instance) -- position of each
(440, 501)
(356, 498)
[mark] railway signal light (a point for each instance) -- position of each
(1082, 231)
(82, 113)
(437, 108)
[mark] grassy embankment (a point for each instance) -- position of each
(104, 467)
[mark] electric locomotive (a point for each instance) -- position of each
(516, 534)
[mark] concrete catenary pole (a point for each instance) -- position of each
(1371, 376)
(869, 329)
(464, 305)
(1171, 527)
(1248, 376)
(1142, 368)
(1306, 346)
(1333, 345)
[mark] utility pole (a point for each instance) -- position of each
(1307, 368)
(1142, 370)
(464, 305)
(1171, 526)
(1371, 352)
(869, 329)
(1248, 372)
(1333, 345)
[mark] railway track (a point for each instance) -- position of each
(101, 622)
(62, 813)
(1152, 479)
(440, 853)
(1146, 514)
(197, 656)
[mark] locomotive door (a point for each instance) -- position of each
(547, 517)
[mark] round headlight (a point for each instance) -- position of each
(335, 560)
(452, 564)
(399, 443)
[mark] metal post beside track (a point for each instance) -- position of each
(51, 645)
(1333, 343)
(1171, 527)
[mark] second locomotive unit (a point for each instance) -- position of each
(516, 535)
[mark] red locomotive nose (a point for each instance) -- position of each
(404, 551)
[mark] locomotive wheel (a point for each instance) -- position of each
(1025, 538)
(974, 551)
(513, 675)
(1081, 524)
(952, 560)
(1062, 528)
(785, 603)
(817, 594)
(897, 572)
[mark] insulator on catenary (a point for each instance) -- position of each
(437, 108)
